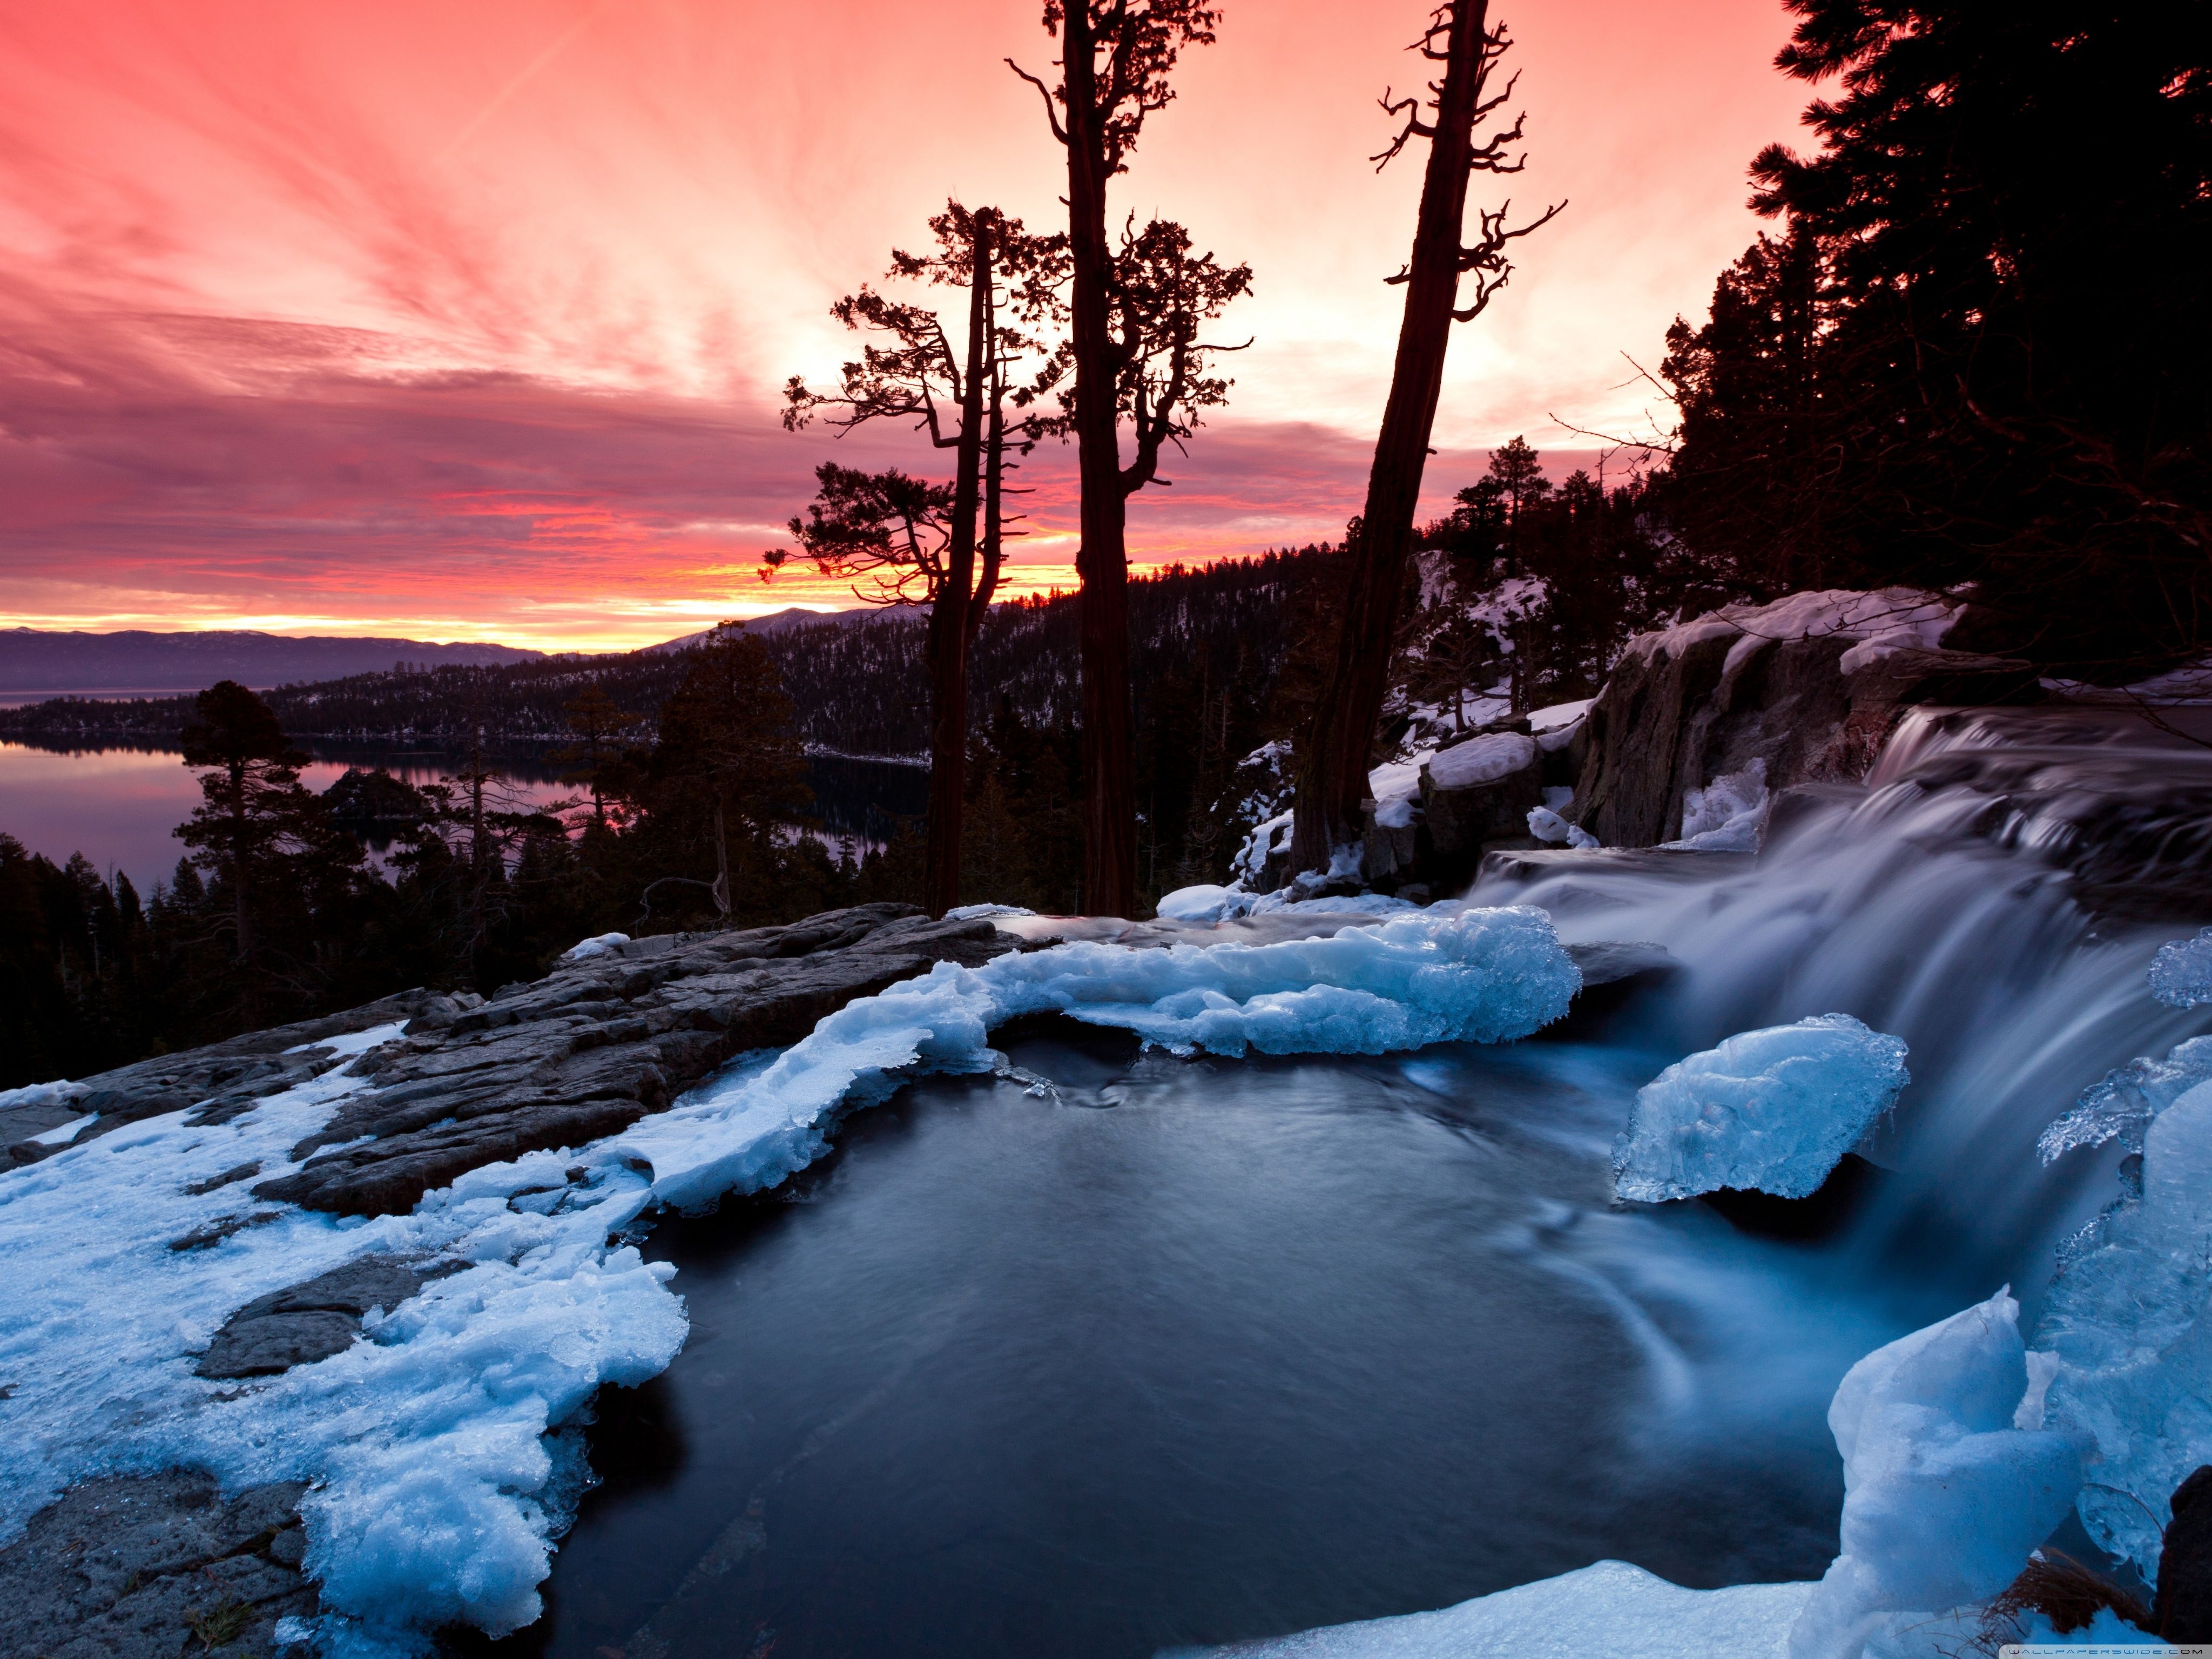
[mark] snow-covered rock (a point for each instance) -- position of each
(1774, 1110)
(984, 912)
(1950, 1477)
(1482, 760)
(2181, 973)
(1809, 685)
(1547, 825)
(1203, 902)
(598, 944)
(2129, 1317)
(1477, 793)
(1413, 979)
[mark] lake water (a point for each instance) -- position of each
(119, 805)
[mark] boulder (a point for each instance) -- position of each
(2182, 1612)
(1476, 797)
(1807, 688)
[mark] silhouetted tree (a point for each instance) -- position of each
(1976, 356)
(1134, 312)
(257, 828)
(1335, 754)
(728, 762)
(960, 398)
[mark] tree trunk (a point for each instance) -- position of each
(1110, 840)
(238, 837)
(1332, 774)
(721, 890)
(949, 629)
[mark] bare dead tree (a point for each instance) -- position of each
(1338, 748)
(1115, 59)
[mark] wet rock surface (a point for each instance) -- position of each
(154, 1568)
(582, 1054)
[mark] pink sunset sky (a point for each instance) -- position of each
(466, 319)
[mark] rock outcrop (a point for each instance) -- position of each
(154, 1568)
(313, 1319)
(1803, 690)
(582, 1054)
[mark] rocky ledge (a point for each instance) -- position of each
(581, 1054)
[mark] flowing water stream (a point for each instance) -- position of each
(1202, 1350)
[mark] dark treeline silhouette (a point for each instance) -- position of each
(1974, 351)
(857, 687)
(688, 810)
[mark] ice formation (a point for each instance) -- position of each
(1950, 1477)
(2181, 973)
(2129, 1317)
(2120, 1105)
(1413, 979)
(981, 912)
(1610, 1609)
(598, 944)
(437, 1488)
(1774, 1108)
(1726, 815)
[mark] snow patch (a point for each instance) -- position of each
(1610, 1609)
(1774, 1110)
(1945, 1492)
(62, 1134)
(1411, 980)
(598, 944)
(435, 1495)
(1547, 825)
(1482, 760)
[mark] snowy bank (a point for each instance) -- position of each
(437, 1486)
(1608, 1611)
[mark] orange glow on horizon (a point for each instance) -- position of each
(467, 322)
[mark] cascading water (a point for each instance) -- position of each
(1989, 895)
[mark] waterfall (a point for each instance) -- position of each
(1993, 894)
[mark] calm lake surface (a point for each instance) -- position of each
(118, 805)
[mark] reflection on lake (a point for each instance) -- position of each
(118, 805)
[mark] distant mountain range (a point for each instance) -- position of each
(137, 660)
(776, 621)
